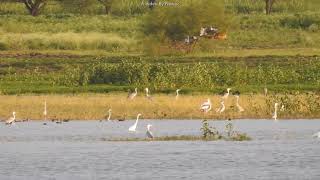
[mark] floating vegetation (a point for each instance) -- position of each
(209, 133)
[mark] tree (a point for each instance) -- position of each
(107, 5)
(269, 4)
(34, 6)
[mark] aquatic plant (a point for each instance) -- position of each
(209, 132)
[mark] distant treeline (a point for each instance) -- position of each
(135, 7)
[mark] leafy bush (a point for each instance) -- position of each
(177, 22)
(3, 46)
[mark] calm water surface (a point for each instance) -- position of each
(78, 150)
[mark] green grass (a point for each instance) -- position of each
(162, 74)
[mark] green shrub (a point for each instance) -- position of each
(177, 22)
(3, 46)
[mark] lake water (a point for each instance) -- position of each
(78, 150)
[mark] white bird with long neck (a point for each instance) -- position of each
(134, 94)
(222, 108)
(149, 134)
(206, 106)
(265, 91)
(177, 93)
(109, 116)
(226, 95)
(275, 113)
(134, 126)
(45, 110)
(12, 119)
(240, 109)
(147, 94)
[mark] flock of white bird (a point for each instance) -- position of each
(205, 107)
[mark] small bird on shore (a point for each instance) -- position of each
(226, 94)
(206, 106)
(177, 93)
(107, 117)
(133, 95)
(134, 126)
(222, 107)
(265, 91)
(12, 119)
(149, 134)
(45, 110)
(275, 113)
(148, 96)
(240, 109)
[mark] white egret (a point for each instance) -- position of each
(240, 109)
(317, 135)
(149, 134)
(12, 119)
(275, 113)
(147, 94)
(206, 106)
(177, 93)
(265, 91)
(109, 116)
(45, 110)
(221, 108)
(134, 94)
(226, 94)
(134, 126)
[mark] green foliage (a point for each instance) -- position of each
(303, 21)
(209, 132)
(3, 46)
(202, 75)
(80, 6)
(258, 6)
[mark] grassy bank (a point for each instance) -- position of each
(95, 106)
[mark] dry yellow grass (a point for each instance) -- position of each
(95, 106)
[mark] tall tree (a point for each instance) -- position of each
(34, 6)
(269, 4)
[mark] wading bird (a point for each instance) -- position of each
(206, 106)
(317, 135)
(177, 93)
(109, 116)
(221, 108)
(45, 110)
(265, 91)
(149, 133)
(134, 126)
(226, 93)
(148, 96)
(275, 113)
(134, 94)
(240, 109)
(12, 119)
